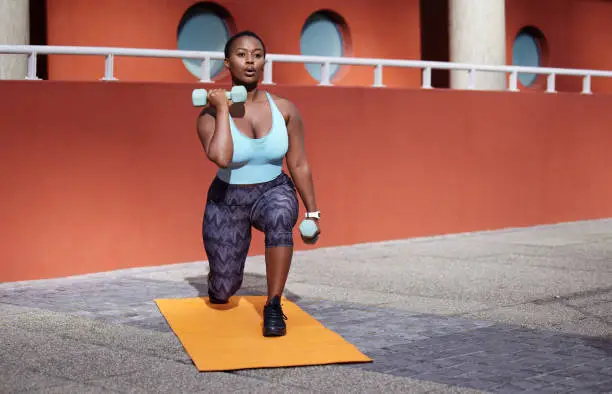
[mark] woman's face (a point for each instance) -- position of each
(246, 60)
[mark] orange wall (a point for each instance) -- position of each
(387, 32)
(578, 35)
(102, 176)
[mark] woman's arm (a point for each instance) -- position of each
(297, 161)
(214, 129)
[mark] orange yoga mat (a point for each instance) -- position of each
(229, 337)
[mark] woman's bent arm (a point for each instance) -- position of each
(214, 133)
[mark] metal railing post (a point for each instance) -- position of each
(378, 76)
(472, 79)
(426, 83)
(325, 74)
(32, 64)
(513, 82)
(267, 79)
(550, 83)
(109, 66)
(586, 84)
(205, 76)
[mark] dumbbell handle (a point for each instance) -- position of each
(238, 94)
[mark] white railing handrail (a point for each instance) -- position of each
(426, 66)
(103, 51)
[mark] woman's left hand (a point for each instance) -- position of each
(315, 237)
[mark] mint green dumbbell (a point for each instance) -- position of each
(308, 229)
(238, 94)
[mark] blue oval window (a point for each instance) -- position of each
(321, 36)
(526, 52)
(202, 29)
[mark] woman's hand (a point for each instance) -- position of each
(217, 98)
(315, 237)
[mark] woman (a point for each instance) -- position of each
(248, 142)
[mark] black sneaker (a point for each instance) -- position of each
(274, 319)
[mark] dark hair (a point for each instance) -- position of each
(245, 33)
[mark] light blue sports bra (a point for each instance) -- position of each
(257, 160)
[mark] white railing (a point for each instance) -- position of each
(326, 62)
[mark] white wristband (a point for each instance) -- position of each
(316, 215)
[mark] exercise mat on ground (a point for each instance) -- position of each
(229, 337)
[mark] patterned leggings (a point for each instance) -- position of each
(231, 210)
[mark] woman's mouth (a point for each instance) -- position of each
(250, 72)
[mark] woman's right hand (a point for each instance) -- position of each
(218, 98)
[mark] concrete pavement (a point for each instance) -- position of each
(502, 311)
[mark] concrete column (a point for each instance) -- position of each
(477, 30)
(14, 30)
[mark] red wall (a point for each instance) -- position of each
(391, 31)
(99, 176)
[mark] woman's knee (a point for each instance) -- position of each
(222, 287)
(275, 239)
(279, 226)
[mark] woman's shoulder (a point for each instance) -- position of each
(278, 98)
(286, 106)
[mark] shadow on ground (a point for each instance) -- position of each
(252, 285)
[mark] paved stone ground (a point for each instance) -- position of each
(519, 310)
